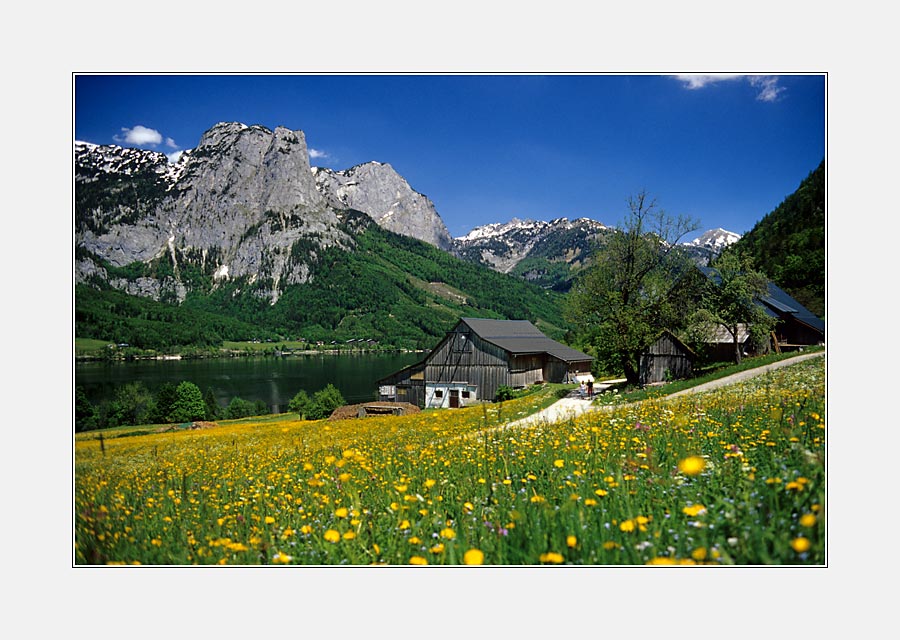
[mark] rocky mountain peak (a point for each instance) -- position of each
(376, 189)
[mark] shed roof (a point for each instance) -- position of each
(520, 337)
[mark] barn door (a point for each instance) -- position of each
(454, 398)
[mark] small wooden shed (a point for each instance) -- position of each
(668, 358)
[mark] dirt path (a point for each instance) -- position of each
(572, 406)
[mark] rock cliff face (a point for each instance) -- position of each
(242, 206)
(376, 189)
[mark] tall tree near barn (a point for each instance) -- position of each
(729, 300)
(640, 283)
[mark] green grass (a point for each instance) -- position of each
(89, 346)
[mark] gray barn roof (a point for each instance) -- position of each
(521, 337)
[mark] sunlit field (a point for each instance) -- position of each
(730, 477)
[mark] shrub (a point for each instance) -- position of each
(239, 408)
(504, 393)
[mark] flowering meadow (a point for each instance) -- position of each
(735, 476)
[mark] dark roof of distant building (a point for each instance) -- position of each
(521, 337)
(778, 303)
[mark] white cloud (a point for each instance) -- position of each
(768, 87)
(139, 135)
(315, 153)
(700, 81)
(174, 156)
(171, 143)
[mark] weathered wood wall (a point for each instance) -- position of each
(665, 359)
(463, 356)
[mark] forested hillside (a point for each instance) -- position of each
(788, 244)
(393, 289)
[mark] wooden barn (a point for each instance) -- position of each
(668, 358)
(476, 358)
(797, 326)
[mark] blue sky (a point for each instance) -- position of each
(724, 149)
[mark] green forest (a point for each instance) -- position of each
(788, 244)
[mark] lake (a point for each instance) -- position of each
(274, 380)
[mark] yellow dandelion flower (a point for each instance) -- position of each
(341, 512)
(270, 520)
(692, 465)
(307, 529)
(281, 558)
(571, 541)
(808, 520)
(349, 535)
(590, 502)
(418, 560)
(404, 524)
(694, 510)
(627, 526)
(415, 540)
(559, 464)
(800, 544)
(609, 545)
(699, 554)
(473, 557)
(448, 533)
(552, 557)
(438, 548)
(601, 492)
(332, 536)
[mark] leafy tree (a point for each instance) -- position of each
(86, 414)
(239, 408)
(301, 403)
(188, 404)
(133, 404)
(165, 398)
(728, 300)
(212, 405)
(639, 283)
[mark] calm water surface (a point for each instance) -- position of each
(274, 380)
